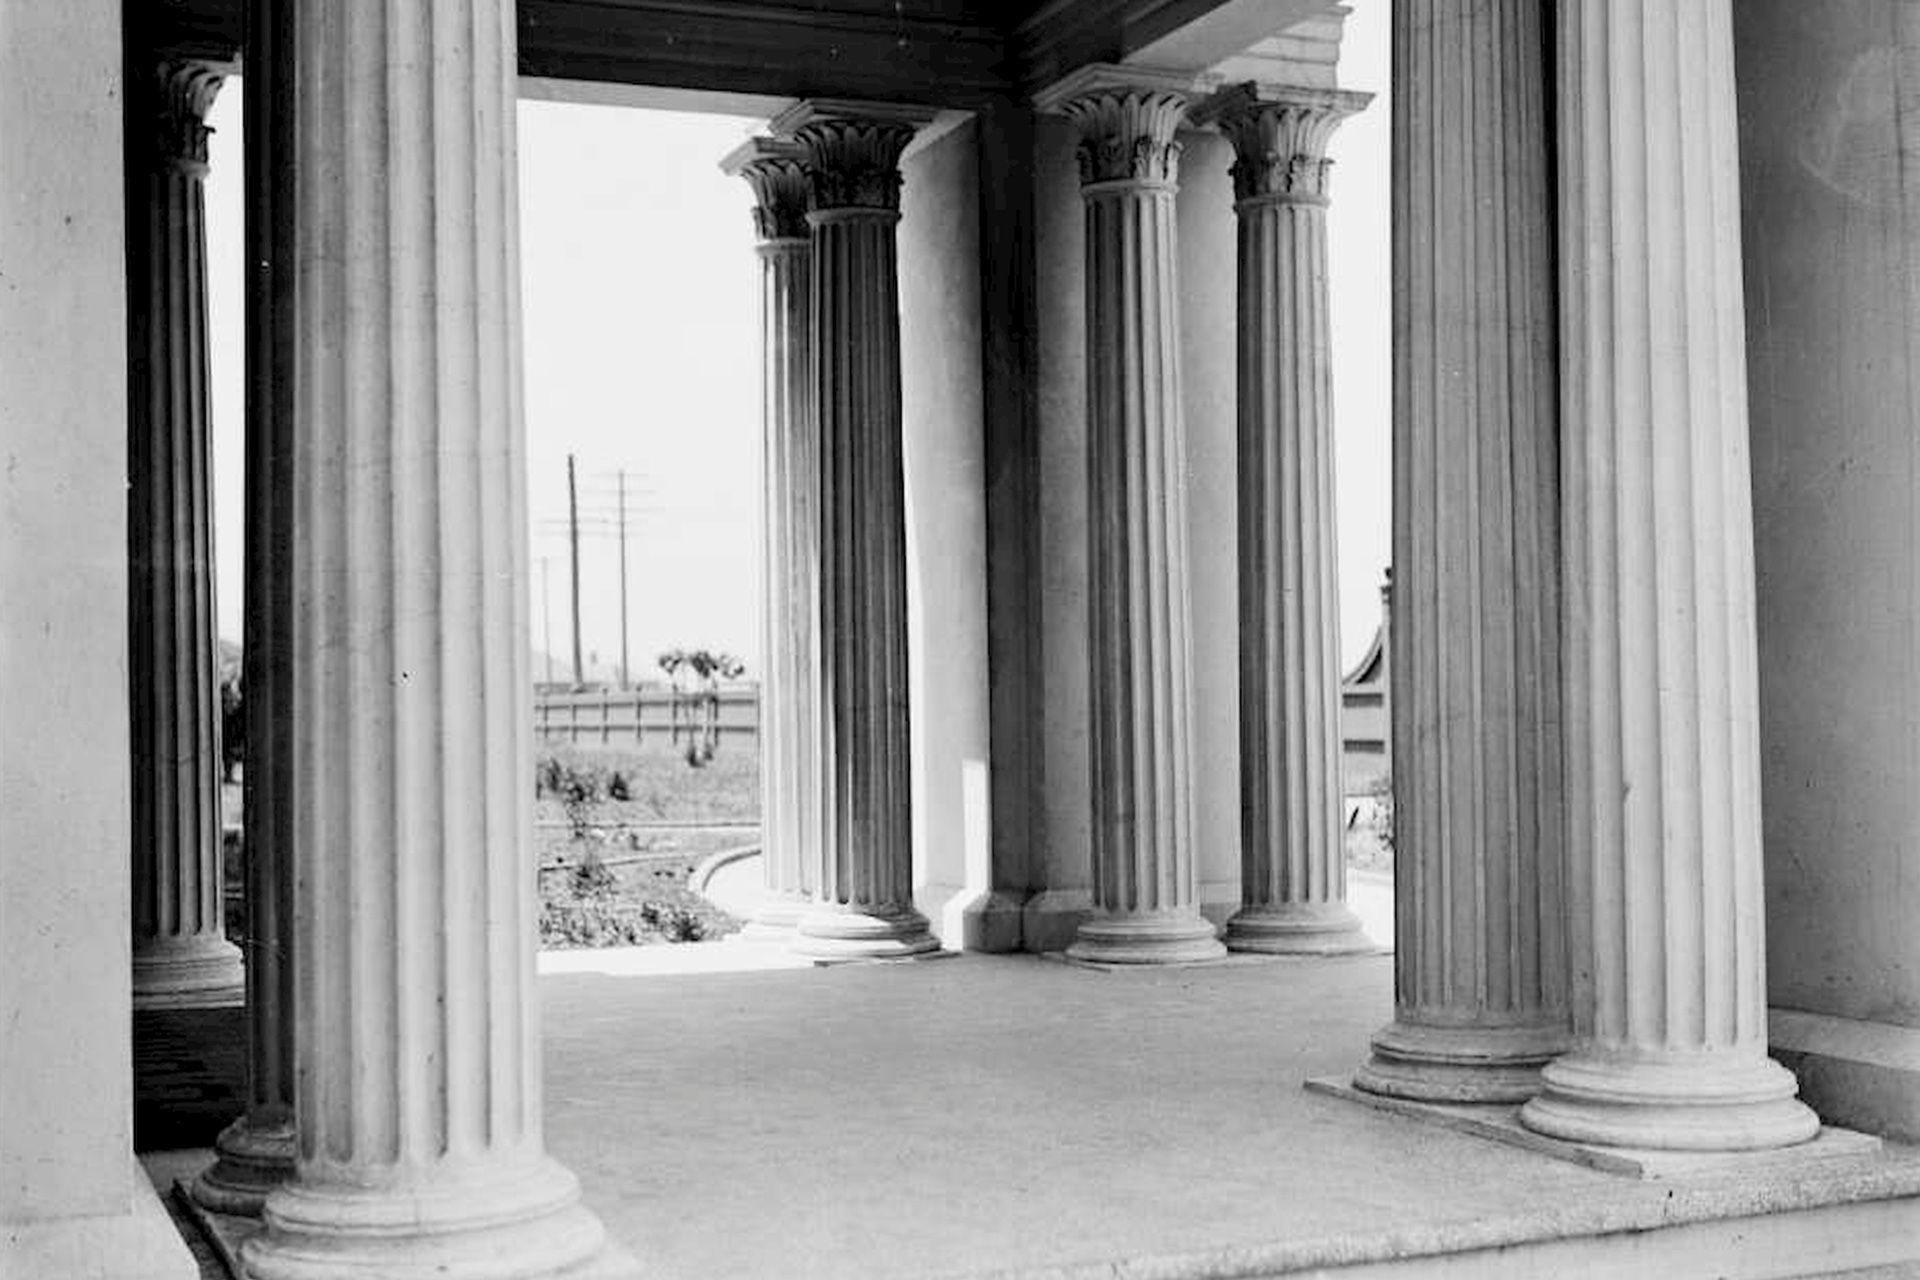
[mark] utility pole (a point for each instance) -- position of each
(573, 538)
(623, 580)
(546, 617)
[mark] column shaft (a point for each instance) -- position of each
(1145, 895)
(863, 900)
(1480, 948)
(180, 952)
(791, 780)
(256, 1152)
(1669, 996)
(417, 1038)
(791, 777)
(1292, 841)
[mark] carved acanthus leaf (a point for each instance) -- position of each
(1127, 135)
(853, 164)
(1280, 139)
(183, 93)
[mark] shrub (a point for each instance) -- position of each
(582, 786)
(676, 924)
(590, 924)
(548, 770)
(603, 923)
(592, 879)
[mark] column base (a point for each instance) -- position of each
(1298, 928)
(479, 1223)
(832, 932)
(1725, 1101)
(251, 1159)
(775, 920)
(1459, 1064)
(1162, 937)
(192, 972)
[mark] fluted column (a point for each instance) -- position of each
(181, 955)
(1145, 896)
(256, 1152)
(1479, 955)
(863, 897)
(417, 1041)
(1293, 858)
(1663, 797)
(790, 765)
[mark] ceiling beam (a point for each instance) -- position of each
(943, 53)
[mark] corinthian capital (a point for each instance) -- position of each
(1279, 137)
(774, 168)
(182, 93)
(1127, 118)
(851, 151)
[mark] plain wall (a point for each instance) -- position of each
(1209, 338)
(940, 364)
(65, 1059)
(1064, 870)
(1830, 136)
(73, 1203)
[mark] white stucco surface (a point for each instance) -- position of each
(946, 526)
(71, 1201)
(1064, 870)
(1831, 198)
(1208, 334)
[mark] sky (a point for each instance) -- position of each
(641, 334)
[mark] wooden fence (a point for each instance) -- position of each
(645, 713)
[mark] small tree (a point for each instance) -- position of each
(696, 675)
(233, 727)
(233, 716)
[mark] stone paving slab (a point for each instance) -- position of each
(1500, 1122)
(1013, 1117)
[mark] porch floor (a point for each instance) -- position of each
(1013, 1114)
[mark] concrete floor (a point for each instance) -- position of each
(1014, 1115)
(987, 1114)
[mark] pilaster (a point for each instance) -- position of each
(791, 777)
(1293, 872)
(256, 1152)
(417, 1039)
(181, 955)
(73, 1202)
(863, 896)
(1480, 952)
(1145, 897)
(1663, 798)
